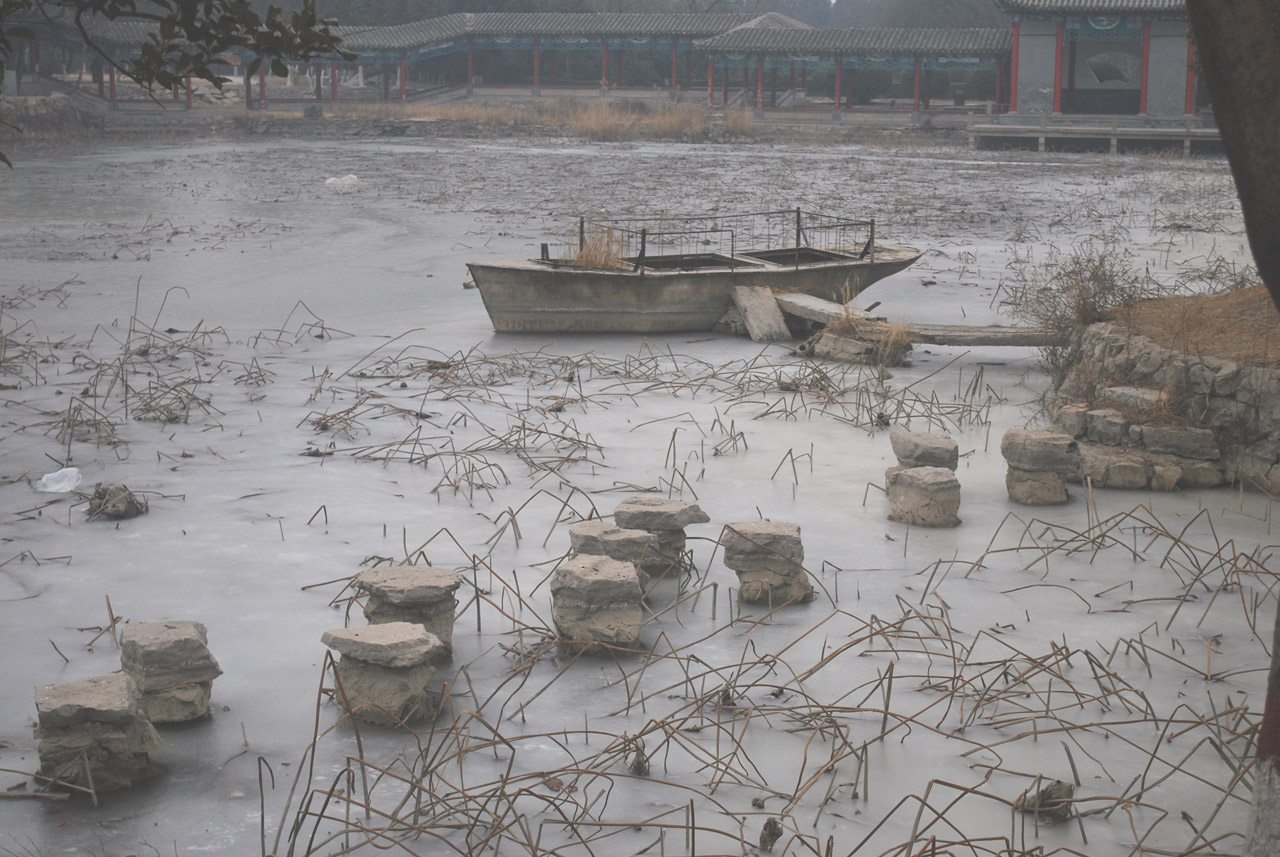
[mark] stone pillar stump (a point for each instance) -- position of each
(172, 667)
(99, 720)
(423, 595)
(767, 557)
(384, 670)
(595, 599)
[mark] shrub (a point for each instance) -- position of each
(1070, 291)
(740, 122)
(675, 120)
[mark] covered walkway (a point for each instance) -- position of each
(921, 52)
(606, 52)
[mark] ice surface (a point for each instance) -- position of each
(292, 329)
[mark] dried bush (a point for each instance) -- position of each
(602, 248)
(1071, 290)
(674, 120)
(893, 343)
(601, 120)
(741, 122)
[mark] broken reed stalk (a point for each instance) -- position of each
(707, 725)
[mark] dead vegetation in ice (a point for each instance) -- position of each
(1086, 682)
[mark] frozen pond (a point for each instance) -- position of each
(346, 403)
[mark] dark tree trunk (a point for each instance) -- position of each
(1264, 827)
(1238, 46)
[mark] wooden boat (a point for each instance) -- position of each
(660, 275)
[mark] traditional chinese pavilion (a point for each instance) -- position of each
(1109, 57)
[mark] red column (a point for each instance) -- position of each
(711, 82)
(248, 90)
(759, 83)
(537, 71)
(262, 86)
(839, 76)
(1191, 77)
(471, 63)
(915, 103)
(188, 92)
(1057, 70)
(604, 63)
(1013, 70)
(319, 74)
(333, 81)
(404, 76)
(1146, 64)
(675, 68)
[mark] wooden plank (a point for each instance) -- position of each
(952, 334)
(875, 327)
(969, 334)
(816, 309)
(760, 313)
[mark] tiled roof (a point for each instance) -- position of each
(769, 33)
(866, 43)
(1093, 7)
(552, 25)
(448, 28)
(121, 33)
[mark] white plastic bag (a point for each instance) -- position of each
(60, 481)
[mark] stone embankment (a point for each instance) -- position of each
(1158, 397)
(1132, 414)
(45, 117)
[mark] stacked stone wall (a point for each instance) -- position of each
(1240, 404)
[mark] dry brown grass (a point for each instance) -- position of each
(602, 249)
(590, 119)
(601, 120)
(740, 122)
(1241, 325)
(893, 341)
(674, 120)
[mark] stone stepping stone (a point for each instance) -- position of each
(923, 496)
(597, 599)
(384, 670)
(96, 719)
(422, 595)
(767, 557)
(172, 666)
(666, 519)
(920, 449)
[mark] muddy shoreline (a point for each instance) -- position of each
(58, 122)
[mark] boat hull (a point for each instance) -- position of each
(535, 296)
